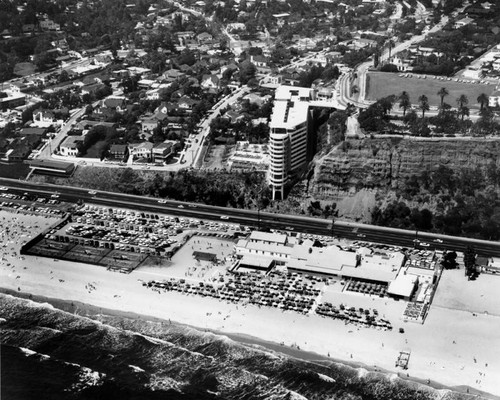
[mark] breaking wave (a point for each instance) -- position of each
(51, 354)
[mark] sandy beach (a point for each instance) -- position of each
(455, 347)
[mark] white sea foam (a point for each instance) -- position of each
(136, 368)
(296, 396)
(326, 378)
(88, 377)
(26, 351)
(29, 352)
(362, 372)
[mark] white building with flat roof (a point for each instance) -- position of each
(290, 141)
(288, 138)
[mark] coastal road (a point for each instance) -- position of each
(263, 220)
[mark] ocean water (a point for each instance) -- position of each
(47, 353)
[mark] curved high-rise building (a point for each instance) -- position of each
(288, 137)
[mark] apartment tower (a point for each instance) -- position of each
(289, 136)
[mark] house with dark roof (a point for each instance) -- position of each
(118, 151)
(204, 38)
(116, 103)
(186, 104)
(40, 132)
(233, 116)
(172, 75)
(92, 89)
(186, 69)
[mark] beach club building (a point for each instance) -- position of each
(264, 250)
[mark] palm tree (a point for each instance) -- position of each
(404, 102)
(463, 110)
(391, 45)
(462, 102)
(483, 99)
(442, 93)
(424, 104)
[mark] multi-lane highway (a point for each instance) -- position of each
(315, 226)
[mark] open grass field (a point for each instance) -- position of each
(382, 84)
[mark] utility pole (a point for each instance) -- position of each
(259, 201)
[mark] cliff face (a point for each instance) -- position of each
(386, 163)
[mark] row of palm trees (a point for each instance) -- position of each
(423, 101)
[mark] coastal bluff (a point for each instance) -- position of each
(384, 164)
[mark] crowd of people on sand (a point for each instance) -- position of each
(279, 289)
(14, 233)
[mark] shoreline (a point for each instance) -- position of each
(452, 348)
(90, 311)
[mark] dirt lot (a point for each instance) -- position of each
(216, 157)
(478, 296)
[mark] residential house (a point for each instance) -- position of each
(186, 69)
(186, 104)
(231, 66)
(69, 147)
(210, 81)
(148, 124)
(153, 121)
(259, 61)
(153, 94)
(49, 25)
(118, 151)
(138, 71)
(92, 89)
(462, 22)
(145, 83)
(204, 38)
(199, 6)
(44, 119)
(141, 150)
(182, 37)
(362, 43)
(401, 63)
(233, 116)
(291, 77)
(115, 103)
(271, 81)
(172, 75)
(494, 99)
(256, 98)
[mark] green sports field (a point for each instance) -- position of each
(382, 84)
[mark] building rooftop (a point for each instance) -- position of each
(72, 141)
(403, 285)
(268, 237)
